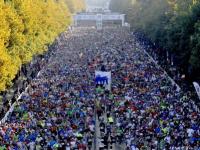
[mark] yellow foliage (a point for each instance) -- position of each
(75, 5)
(8, 69)
(79, 5)
(26, 28)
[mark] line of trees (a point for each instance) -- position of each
(27, 27)
(174, 25)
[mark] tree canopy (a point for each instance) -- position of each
(172, 24)
(27, 27)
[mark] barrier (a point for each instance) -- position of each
(197, 88)
(5, 118)
(172, 81)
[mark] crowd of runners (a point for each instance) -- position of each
(143, 109)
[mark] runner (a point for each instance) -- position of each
(142, 110)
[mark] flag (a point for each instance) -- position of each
(103, 78)
(197, 87)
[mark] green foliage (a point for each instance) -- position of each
(195, 44)
(172, 24)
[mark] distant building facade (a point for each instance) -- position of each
(99, 20)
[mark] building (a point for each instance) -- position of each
(99, 19)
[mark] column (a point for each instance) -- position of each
(122, 18)
(75, 20)
(99, 21)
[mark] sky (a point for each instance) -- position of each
(96, 2)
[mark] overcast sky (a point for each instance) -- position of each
(97, 2)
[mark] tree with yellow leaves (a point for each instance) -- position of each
(27, 27)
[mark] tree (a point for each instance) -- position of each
(172, 24)
(26, 28)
